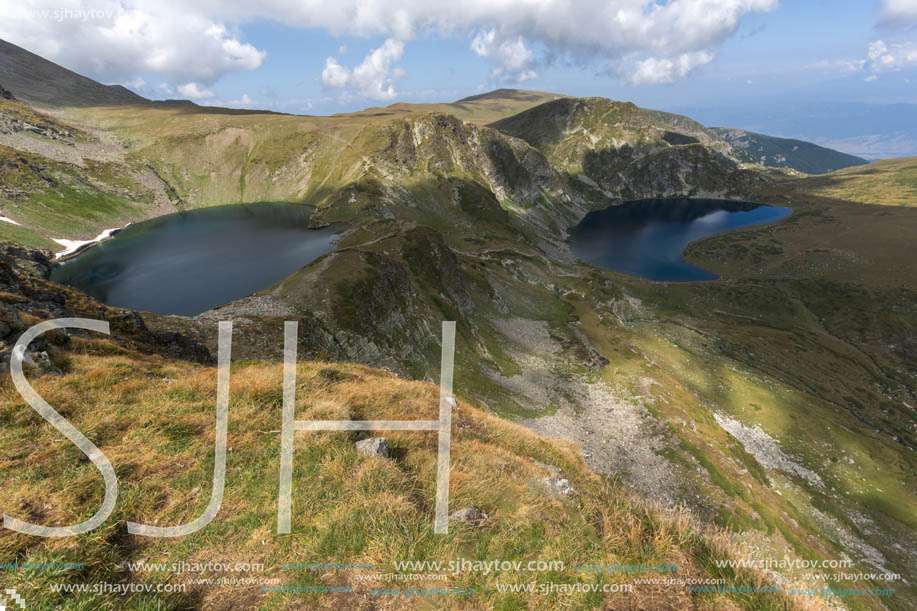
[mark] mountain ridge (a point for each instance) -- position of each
(38, 81)
(770, 151)
(43, 83)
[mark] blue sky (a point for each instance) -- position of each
(315, 57)
(795, 51)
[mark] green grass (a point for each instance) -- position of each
(889, 182)
(26, 237)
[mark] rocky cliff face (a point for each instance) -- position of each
(7, 95)
(630, 152)
(567, 129)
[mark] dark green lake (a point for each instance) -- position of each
(190, 262)
(647, 237)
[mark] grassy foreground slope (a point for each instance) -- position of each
(154, 419)
(889, 182)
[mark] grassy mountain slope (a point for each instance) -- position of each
(35, 80)
(798, 155)
(61, 180)
(53, 199)
(809, 339)
(889, 182)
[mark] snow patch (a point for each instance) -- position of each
(71, 246)
(9, 220)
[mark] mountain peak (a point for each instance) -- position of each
(519, 95)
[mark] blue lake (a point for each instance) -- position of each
(190, 262)
(647, 237)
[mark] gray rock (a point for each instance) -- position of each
(39, 360)
(374, 446)
(557, 487)
(469, 515)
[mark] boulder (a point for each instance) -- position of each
(469, 515)
(374, 446)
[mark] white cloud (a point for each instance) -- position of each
(654, 71)
(243, 102)
(374, 78)
(514, 60)
(195, 41)
(137, 83)
(335, 75)
(838, 65)
(885, 58)
(871, 78)
(110, 43)
(880, 57)
(899, 12)
(194, 91)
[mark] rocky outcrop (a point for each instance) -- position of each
(442, 145)
(31, 260)
(566, 129)
(5, 94)
(16, 117)
(629, 152)
(685, 170)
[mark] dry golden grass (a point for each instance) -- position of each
(154, 419)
